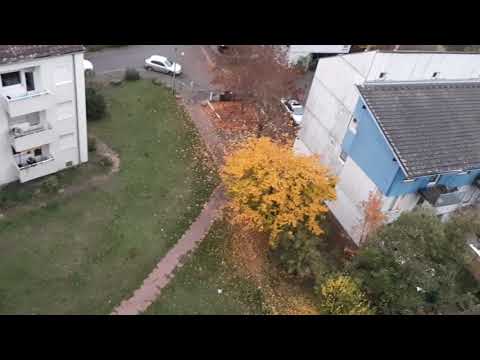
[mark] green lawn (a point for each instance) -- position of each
(194, 289)
(85, 254)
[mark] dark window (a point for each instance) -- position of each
(29, 81)
(435, 74)
(38, 152)
(158, 63)
(343, 156)
(12, 78)
(69, 163)
(382, 75)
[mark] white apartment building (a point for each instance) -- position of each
(402, 124)
(43, 127)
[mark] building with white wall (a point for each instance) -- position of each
(401, 124)
(297, 52)
(43, 126)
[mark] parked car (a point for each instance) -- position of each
(87, 67)
(474, 244)
(162, 64)
(294, 108)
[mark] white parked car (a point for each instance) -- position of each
(294, 108)
(162, 64)
(87, 66)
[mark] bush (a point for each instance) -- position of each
(51, 184)
(105, 162)
(96, 105)
(132, 74)
(416, 264)
(92, 144)
(305, 255)
(340, 295)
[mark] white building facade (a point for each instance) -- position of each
(43, 127)
(331, 113)
(297, 52)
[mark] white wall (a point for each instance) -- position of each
(63, 77)
(332, 99)
(297, 51)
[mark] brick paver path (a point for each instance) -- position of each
(161, 275)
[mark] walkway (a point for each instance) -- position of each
(144, 296)
(161, 275)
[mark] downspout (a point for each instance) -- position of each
(76, 108)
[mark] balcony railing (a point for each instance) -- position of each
(439, 196)
(42, 167)
(32, 137)
(27, 103)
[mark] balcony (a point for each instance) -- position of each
(27, 103)
(442, 199)
(22, 140)
(45, 166)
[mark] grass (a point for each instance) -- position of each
(85, 254)
(194, 289)
(15, 194)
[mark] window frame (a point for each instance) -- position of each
(8, 73)
(26, 80)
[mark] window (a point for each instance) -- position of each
(409, 180)
(382, 75)
(343, 156)
(69, 164)
(29, 81)
(435, 75)
(353, 125)
(12, 78)
(37, 152)
(432, 180)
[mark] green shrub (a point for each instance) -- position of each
(417, 265)
(305, 255)
(92, 144)
(51, 184)
(96, 105)
(132, 74)
(341, 295)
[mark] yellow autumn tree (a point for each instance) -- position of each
(340, 295)
(273, 189)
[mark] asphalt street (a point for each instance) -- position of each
(191, 57)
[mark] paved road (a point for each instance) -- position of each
(194, 62)
(195, 65)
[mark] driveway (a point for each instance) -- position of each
(194, 62)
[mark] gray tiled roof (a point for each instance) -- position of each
(15, 53)
(433, 127)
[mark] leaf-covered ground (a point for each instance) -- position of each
(84, 254)
(207, 283)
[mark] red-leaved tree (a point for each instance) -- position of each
(260, 76)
